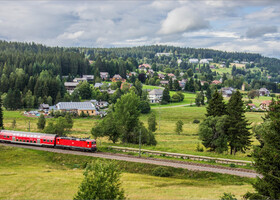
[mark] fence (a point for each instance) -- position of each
(183, 156)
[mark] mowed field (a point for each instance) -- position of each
(31, 174)
(167, 139)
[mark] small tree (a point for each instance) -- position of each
(198, 99)
(14, 124)
(101, 181)
(216, 106)
(165, 96)
(69, 121)
(179, 127)
(41, 122)
(152, 123)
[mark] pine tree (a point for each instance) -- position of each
(216, 105)
(267, 157)
(237, 125)
(1, 115)
(191, 85)
(208, 94)
(41, 122)
(170, 84)
(198, 99)
(152, 123)
(202, 97)
(165, 96)
(176, 85)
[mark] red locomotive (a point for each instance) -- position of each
(50, 140)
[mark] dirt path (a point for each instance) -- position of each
(154, 161)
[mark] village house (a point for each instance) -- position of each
(98, 85)
(70, 86)
(161, 76)
(88, 77)
(212, 67)
(117, 78)
(170, 75)
(150, 72)
(104, 75)
(204, 61)
(193, 60)
(77, 107)
(265, 104)
(164, 82)
(203, 82)
(216, 82)
(155, 95)
(182, 83)
(44, 107)
(227, 91)
(78, 80)
(264, 92)
(144, 67)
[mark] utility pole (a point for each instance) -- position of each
(158, 118)
(29, 125)
(140, 143)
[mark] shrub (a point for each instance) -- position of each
(199, 148)
(196, 121)
(232, 165)
(228, 196)
(162, 172)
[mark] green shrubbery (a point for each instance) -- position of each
(162, 172)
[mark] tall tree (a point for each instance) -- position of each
(152, 122)
(165, 96)
(237, 125)
(208, 94)
(216, 106)
(212, 132)
(41, 122)
(170, 84)
(267, 156)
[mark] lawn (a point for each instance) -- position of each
(32, 174)
(167, 139)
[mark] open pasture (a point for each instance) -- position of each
(31, 174)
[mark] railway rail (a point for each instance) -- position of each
(155, 161)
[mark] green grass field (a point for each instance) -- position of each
(32, 174)
(167, 139)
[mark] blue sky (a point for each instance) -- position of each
(246, 26)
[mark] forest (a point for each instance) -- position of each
(31, 73)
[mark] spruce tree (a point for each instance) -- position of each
(165, 96)
(237, 125)
(191, 85)
(202, 97)
(152, 124)
(216, 106)
(208, 94)
(267, 157)
(170, 84)
(1, 115)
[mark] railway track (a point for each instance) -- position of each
(155, 161)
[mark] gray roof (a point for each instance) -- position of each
(75, 106)
(156, 92)
(96, 85)
(73, 84)
(264, 89)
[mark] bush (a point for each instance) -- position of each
(199, 148)
(228, 196)
(162, 172)
(196, 121)
(232, 165)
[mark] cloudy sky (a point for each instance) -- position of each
(231, 25)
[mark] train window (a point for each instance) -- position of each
(44, 140)
(48, 141)
(23, 140)
(34, 141)
(20, 140)
(4, 136)
(87, 142)
(94, 142)
(16, 139)
(8, 136)
(51, 140)
(27, 140)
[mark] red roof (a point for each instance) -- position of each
(267, 102)
(145, 65)
(216, 82)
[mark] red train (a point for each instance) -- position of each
(49, 140)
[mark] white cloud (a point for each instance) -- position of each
(71, 36)
(181, 20)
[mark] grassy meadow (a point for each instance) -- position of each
(32, 174)
(167, 139)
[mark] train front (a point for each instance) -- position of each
(93, 146)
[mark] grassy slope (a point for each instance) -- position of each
(30, 174)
